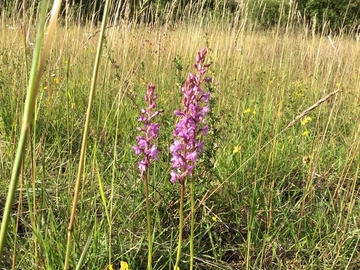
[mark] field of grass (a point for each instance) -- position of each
(270, 193)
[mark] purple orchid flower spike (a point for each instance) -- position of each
(149, 130)
(187, 143)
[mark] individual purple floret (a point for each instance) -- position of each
(187, 145)
(149, 129)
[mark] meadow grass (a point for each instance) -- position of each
(289, 205)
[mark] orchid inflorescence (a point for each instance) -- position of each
(187, 144)
(145, 144)
(187, 147)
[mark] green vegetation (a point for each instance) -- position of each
(269, 193)
(324, 16)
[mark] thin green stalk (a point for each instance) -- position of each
(85, 134)
(33, 215)
(148, 217)
(81, 261)
(192, 223)
(33, 86)
(69, 100)
(250, 226)
(181, 219)
(114, 168)
(13, 267)
(21, 186)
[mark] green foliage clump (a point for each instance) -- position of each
(267, 13)
(340, 15)
(322, 15)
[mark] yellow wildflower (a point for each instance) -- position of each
(306, 120)
(124, 266)
(214, 218)
(56, 80)
(305, 133)
(236, 149)
(248, 110)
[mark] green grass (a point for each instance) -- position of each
(290, 205)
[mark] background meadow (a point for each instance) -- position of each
(268, 195)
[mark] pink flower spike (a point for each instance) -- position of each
(191, 125)
(150, 130)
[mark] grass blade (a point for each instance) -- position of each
(34, 82)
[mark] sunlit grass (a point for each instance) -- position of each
(297, 196)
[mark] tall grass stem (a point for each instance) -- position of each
(37, 68)
(86, 131)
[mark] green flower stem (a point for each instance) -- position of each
(148, 217)
(192, 206)
(181, 219)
